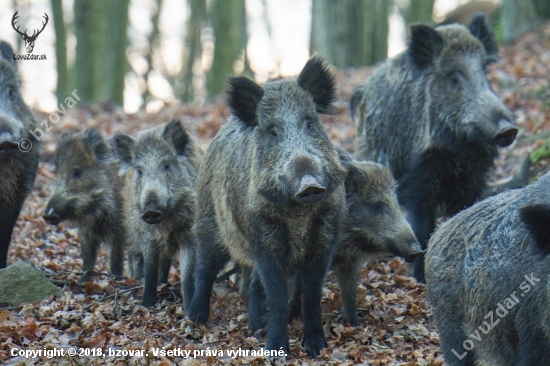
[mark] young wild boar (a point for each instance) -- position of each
(271, 196)
(487, 273)
(88, 193)
(433, 113)
(19, 151)
(161, 166)
(373, 227)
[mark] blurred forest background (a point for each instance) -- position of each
(145, 53)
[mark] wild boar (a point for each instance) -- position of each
(271, 196)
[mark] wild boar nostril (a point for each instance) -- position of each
(52, 219)
(7, 146)
(506, 133)
(152, 217)
(506, 138)
(310, 191)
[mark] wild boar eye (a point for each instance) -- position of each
(12, 92)
(166, 167)
(139, 171)
(455, 79)
(77, 173)
(378, 207)
(273, 132)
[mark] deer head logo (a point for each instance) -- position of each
(29, 40)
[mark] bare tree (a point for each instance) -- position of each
(350, 33)
(116, 64)
(517, 17)
(62, 87)
(228, 19)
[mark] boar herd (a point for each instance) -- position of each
(273, 194)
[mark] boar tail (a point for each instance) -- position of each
(356, 98)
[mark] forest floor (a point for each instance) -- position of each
(397, 328)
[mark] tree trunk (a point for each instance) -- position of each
(62, 88)
(350, 33)
(418, 11)
(115, 56)
(228, 20)
(377, 25)
(154, 38)
(329, 30)
(543, 8)
(197, 20)
(90, 47)
(517, 17)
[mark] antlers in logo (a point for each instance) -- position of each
(29, 40)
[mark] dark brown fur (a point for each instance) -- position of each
(87, 193)
(18, 169)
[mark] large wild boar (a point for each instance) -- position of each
(432, 112)
(271, 196)
(161, 166)
(19, 151)
(487, 274)
(88, 194)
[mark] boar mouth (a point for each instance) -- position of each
(310, 191)
(506, 134)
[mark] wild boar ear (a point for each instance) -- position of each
(343, 155)
(356, 178)
(96, 145)
(480, 28)
(174, 131)
(6, 52)
(123, 146)
(243, 96)
(318, 79)
(425, 46)
(536, 218)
